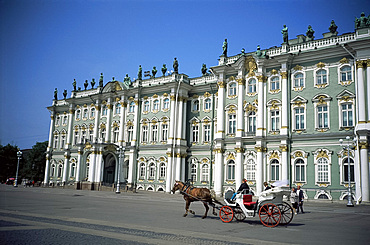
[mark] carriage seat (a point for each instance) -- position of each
(247, 200)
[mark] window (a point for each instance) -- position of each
(323, 170)
(299, 118)
(275, 125)
(65, 120)
(346, 73)
(115, 134)
(231, 170)
(118, 109)
(195, 105)
(155, 133)
(52, 170)
(193, 172)
(322, 116)
(195, 131)
(144, 134)
(298, 80)
(131, 108)
(164, 132)
(207, 133)
(62, 141)
(162, 171)
(156, 105)
(142, 171)
(103, 134)
(78, 114)
(232, 89)
(152, 171)
(207, 104)
(130, 133)
(275, 170)
(92, 113)
(166, 103)
(104, 110)
(204, 173)
(232, 124)
(146, 106)
(321, 77)
(252, 122)
(57, 121)
(252, 86)
(73, 170)
(75, 140)
(251, 170)
(91, 135)
(83, 136)
(56, 139)
(347, 119)
(60, 170)
(85, 114)
(300, 171)
(275, 83)
(345, 169)
(87, 170)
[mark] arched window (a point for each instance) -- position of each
(232, 89)
(78, 114)
(156, 105)
(104, 110)
(252, 86)
(195, 133)
(196, 105)
(346, 73)
(231, 124)
(146, 106)
(52, 173)
(345, 169)
(251, 170)
(92, 113)
(193, 172)
(130, 133)
(162, 171)
(118, 109)
(60, 170)
(231, 170)
(164, 132)
(252, 122)
(73, 170)
(275, 120)
(347, 115)
(154, 133)
(275, 83)
(131, 108)
(103, 133)
(85, 114)
(65, 120)
(144, 133)
(322, 170)
(321, 77)
(207, 104)
(166, 103)
(207, 132)
(152, 171)
(115, 134)
(322, 116)
(300, 171)
(56, 140)
(205, 173)
(142, 171)
(298, 80)
(87, 170)
(275, 170)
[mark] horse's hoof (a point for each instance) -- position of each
(192, 212)
(204, 217)
(215, 214)
(185, 215)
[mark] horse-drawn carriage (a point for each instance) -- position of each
(270, 207)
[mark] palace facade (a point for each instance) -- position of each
(267, 115)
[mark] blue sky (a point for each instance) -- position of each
(47, 44)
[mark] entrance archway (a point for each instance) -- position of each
(109, 169)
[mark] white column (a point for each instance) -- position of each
(284, 102)
(136, 123)
(184, 123)
(357, 175)
(96, 125)
(239, 166)
(361, 92)
(47, 170)
(218, 170)
(99, 167)
(109, 121)
(284, 162)
(121, 137)
(221, 111)
(79, 171)
(368, 90)
(171, 136)
(259, 169)
(66, 167)
(363, 145)
(169, 173)
(261, 104)
(179, 121)
(70, 127)
(51, 131)
(131, 167)
(92, 164)
(240, 116)
(178, 167)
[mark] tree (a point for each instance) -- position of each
(8, 162)
(34, 167)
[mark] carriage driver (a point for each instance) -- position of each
(244, 187)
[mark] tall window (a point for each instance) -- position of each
(252, 122)
(196, 105)
(78, 114)
(60, 170)
(275, 170)
(207, 133)
(298, 80)
(152, 171)
(144, 133)
(91, 135)
(115, 134)
(347, 115)
(232, 89)
(275, 83)
(231, 170)
(321, 77)
(251, 170)
(103, 133)
(105, 110)
(62, 141)
(193, 172)
(252, 86)
(207, 104)
(130, 133)
(131, 108)
(275, 125)
(166, 103)
(164, 132)
(156, 105)
(232, 124)
(205, 173)
(195, 130)
(300, 171)
(118, 109)
(299, 118)
(322, 116)
(323, 170)
(87, 170)
(352, 169)
(92, 113)
(346, 73)
(162, 171)
(75, 138)
(64, 120)
(142, 171)
(52, 173)
(146, 106)
(85, 114)
(73, 170)
(56, 141)
(155, 133)
(57, 121)
(83, 136)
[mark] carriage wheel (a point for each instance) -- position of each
(270, 215)
(226, 214)
(286, 213)
(239, 214)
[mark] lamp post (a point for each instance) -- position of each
(119, 169)
(348, 144)
(19, 155)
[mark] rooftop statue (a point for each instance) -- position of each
(224, 48)
(176, 66)
(164, 69)
(86, 84)
(243, 51)
(154, 71)
(56, 94)
(101, 80)
(258, 52)
(333, 27)
(284, 31)
(310, 32)
(140, 73)
(92, 83)
(127, 80)
(74, 84)
(65, 94)
(204, 69)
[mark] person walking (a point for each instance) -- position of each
(300, 199)
(294, 199)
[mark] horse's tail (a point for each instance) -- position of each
(214, 197)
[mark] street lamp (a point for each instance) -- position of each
(119, 169)
(348, 144)
(19, 155)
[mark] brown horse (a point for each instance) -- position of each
(192, 194)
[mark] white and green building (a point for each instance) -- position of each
(267, 115)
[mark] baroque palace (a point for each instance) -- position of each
(268, 115)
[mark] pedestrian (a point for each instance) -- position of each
(294, 199)
(266, 185)
(300, 199)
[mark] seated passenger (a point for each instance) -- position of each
(266, 185)
(244, 187)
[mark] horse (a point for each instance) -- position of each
(192, 194)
